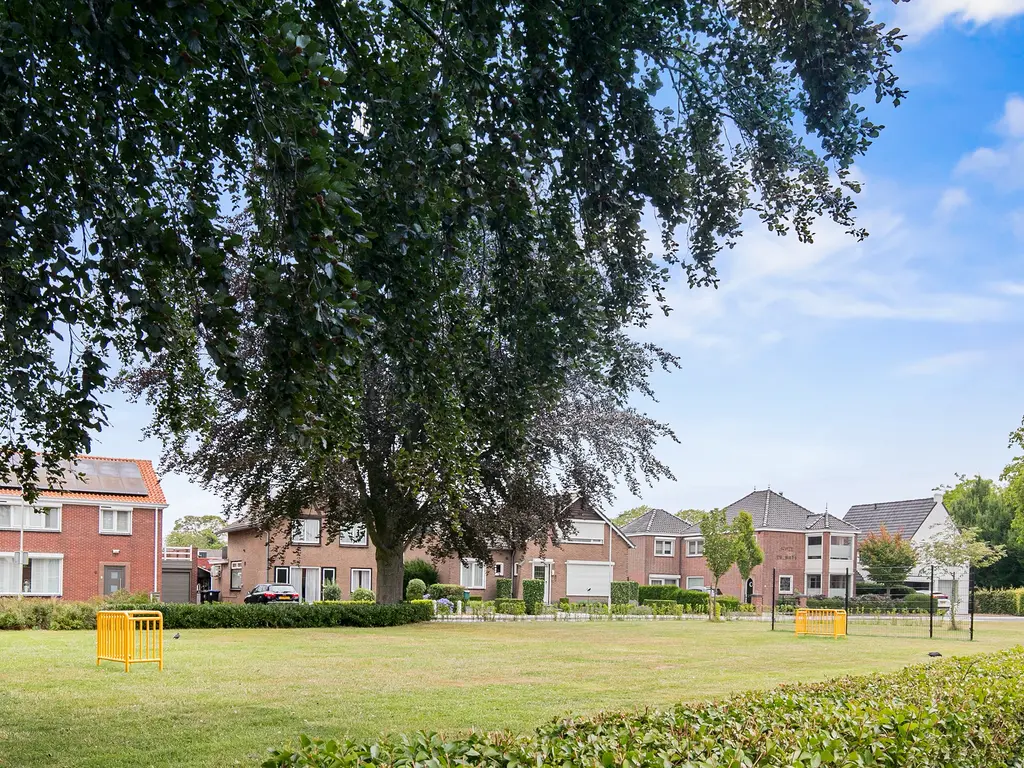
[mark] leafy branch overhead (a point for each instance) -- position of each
(403, 167)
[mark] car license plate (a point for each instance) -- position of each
(285, 597)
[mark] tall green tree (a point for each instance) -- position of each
(749, 554)
(991, 507)
(887, 558)
(953, 552)
(388, 155)
(720, 551)
(199, 531)
(631, 514)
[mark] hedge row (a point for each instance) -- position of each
(533, 593)
(53, 614)
(1008, 602)
(913, 603)
(625, 592)
(453, 592)
(966, 712)
(694, 598)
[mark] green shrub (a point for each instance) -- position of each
(921, 603)
(694, 598)
(503, 587)
(510, 606)
(728, 602)
(965, 712)
(304, 615)
(563, 604)
(419, 569)
(73, 616)
(451, 591)
(124, 597)
(332, 591)
(665, 607)
(1008, 602)
(646, 593)
(901, 590)
(415, 589)
(623, 592)
(362, 595)
(533, 593)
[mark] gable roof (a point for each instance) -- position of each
(656, 522)
(774, 512)
(902, 517)
(154, 495)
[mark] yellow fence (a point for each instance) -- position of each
(130, 637)
(820, 621)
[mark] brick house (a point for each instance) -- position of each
(100, 533)
(811, 553)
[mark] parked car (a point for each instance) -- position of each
(941, 599)
(272, 593)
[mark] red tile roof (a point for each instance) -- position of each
(154, 495)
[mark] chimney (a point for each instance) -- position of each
(938, 496)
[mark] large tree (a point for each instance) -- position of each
(887, 557)
(992, 507)
(631, 514)
(381, 150)
(748, 552)
(199, 531)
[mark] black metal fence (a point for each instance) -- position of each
(929, 602)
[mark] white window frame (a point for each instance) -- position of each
(574, 537)
(789, 590)
(352, 586)
(303, 521)
(19, 565)
(807, 582)
(475, 567)
(287, 574)
(697, 547)
(820, 545)
(694, 578)
(659, 580)
(499, 569)
(671, 547)
(832, 545)
(116, 510)
(345, 537)
(842, 576)
(24, 511)
(323, 574)
(235, 565)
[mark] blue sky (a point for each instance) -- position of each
(845, 372)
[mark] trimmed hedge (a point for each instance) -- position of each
(451, 591)
(1007, 602)
(646, 593)
(533, 593)
(503, 588)
(418, 568)
(510, 606)
(415, 589)
(625, 592)
(964, 712)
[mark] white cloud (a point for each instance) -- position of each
(927, 15)
(1009, 288)
(1012, 122)
(933, 366)
(953, 199)
(1003, 165)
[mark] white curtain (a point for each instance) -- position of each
(45, 576)
(8, 574)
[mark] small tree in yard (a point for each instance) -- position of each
(719, 551)
(749, 554)
(887, 558)
(956, 550)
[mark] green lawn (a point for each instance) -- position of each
(225, 696)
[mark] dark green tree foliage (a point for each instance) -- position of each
(991, 508)
(198, 531)
(749, 554)
(386, 152)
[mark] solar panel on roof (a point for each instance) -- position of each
(92, 476)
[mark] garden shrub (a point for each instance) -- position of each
(510, 606)
(694, 598)
(419, 569)
(451, 592)
(563, 604)
(533, 593)
(964, 712)
(665, 607)
(415, 589)
(124, 597)
(503, 587)
(728, 602)
(303, 615)
(920, 603)
(646, 593)
(73, 616)
(362, 595)
(332, 591)
(1008, 602)
(622, 592)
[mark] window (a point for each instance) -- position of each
(695, 582)
(499, 569)
(515, 569)
(785, 585)
(36, 574)
(33, 518)
(664, 547)
(837, 581)
(586, 532)
(695, 547)
(113, 520)
(841, 548)
(355, 536)
(236, 575)
(306, 531)
(362, 578)
(814, 547)
(473, 574)
(280, 574)
(663, 581)
(814, 583)
(328, 574)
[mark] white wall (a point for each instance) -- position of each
(933, 527)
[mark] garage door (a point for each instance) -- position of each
(177, 586)
(588, 579)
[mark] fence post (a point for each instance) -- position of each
(846, 603)
(970, 592)
(773, 599)
(931, 603)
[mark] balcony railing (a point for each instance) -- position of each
(177, 553)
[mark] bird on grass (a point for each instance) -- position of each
(934, 654)
(177, 635)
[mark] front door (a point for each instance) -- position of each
(305, 581)
(541, 572)
(750, 591)
(114, 579)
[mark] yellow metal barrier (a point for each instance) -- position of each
(821, 621)
(130, 637)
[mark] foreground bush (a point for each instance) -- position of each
(54, 614)
(965, 712)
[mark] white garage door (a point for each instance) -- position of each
(588, 579)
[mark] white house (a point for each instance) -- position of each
(920, 521)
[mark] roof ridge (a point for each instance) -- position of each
(898, 501)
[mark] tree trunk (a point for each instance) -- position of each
(390, 575)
